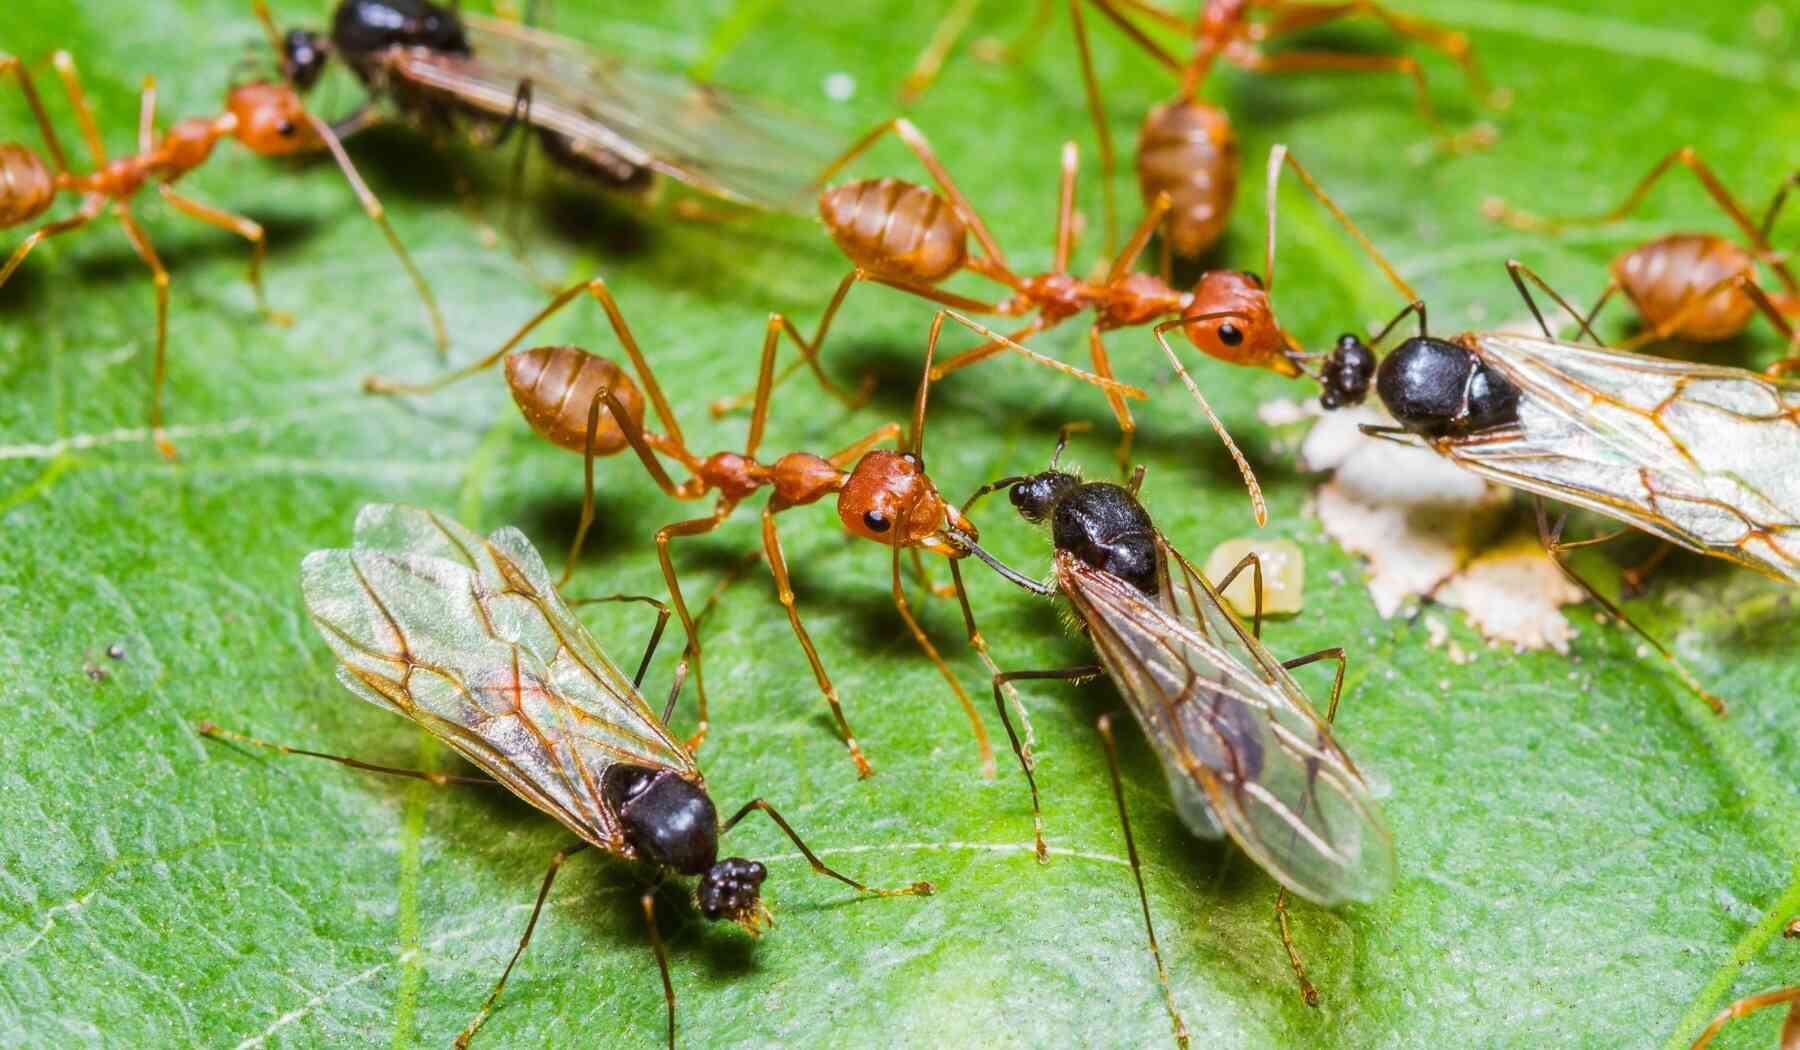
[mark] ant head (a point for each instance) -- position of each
(270, 120)
(1436, 388)
(303, 57)
(889, 499)
(1229, 317)
(732, 889)
(1036, 496)
(1346, 373)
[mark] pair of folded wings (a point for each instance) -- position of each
(1243, 750)
(468, 638)
(729, 145)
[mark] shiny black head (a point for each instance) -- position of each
(1440, 389)
(1036, 496)
(666, 818)
(303, 56)
(732, 889)
(1346, 373)
(363, 27)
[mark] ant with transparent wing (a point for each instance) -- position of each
(1698, 455)
(1241, 747)
(467, 637)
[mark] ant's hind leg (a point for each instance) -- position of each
(246, 228)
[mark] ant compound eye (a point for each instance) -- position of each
(875, 521)
(1230, 334)
(285, 128)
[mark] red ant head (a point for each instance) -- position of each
(1229, 317)
(270, 120)
(889, 499)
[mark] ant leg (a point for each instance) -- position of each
(979, 644)
(1021, 749)
(371, 205)
(1744, 284)
(51, 142)
(1684, 156)
(1121, 413)
(147, 116)
(930, 62)
(997, 343)
(915, 141)
(819, 867)
(1307, 991)
(1632, 580)
(784, 590)
(1256, 587)
(1279, 155)
(1137, 874)
(1255, 61)
(810, 354)
(1260, 508)
(84, 113)
(648, 901)
(1749, 1004)
(691, 527)
(1152, 221)
(141, 243)
(1555, 548)
(249, 230)
(1453, 45)
(662, 620)
(487, 1006)
(440, 779)
(1521, 273)
(90, 209)
(983, 748)
(850, 453)
(1109, 160)
(1065, 207)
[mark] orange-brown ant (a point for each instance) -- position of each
(908, 237)
(586, 403)
(267, 118)
(1187, 148)
(1695, 286)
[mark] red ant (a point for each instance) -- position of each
(1188, 149)
(1697, 286)
(586, 403)
(268, 119)
(908, 237)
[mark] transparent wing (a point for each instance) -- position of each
(468, 638)
(1242, 749)
(1703, 456)
(725, 144)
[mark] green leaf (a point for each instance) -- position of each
(1587, 858)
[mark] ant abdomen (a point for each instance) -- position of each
(555, 387)
(27, 186)
(1664, 277)
(1189, 151)
(896, 229)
